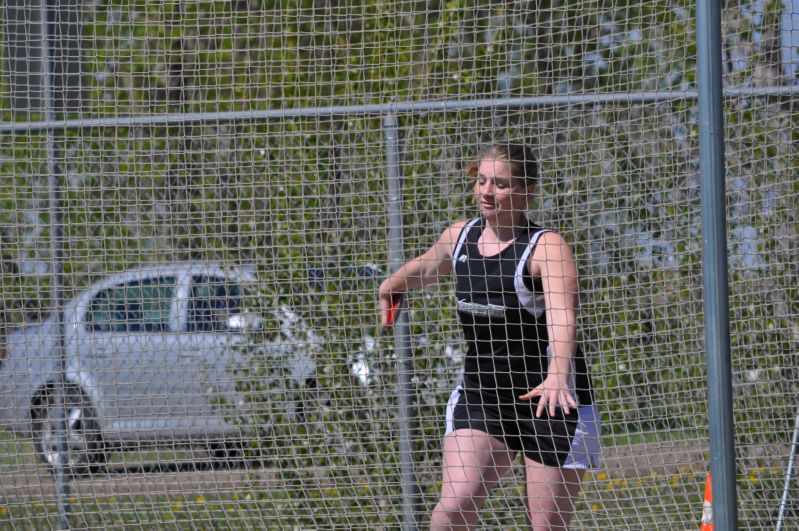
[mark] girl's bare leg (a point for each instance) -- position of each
(473, 464)
(550, 495)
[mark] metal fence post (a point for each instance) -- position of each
(407, 413)
(54, 138)
(788, 474)
(714, 262)
(56, 270)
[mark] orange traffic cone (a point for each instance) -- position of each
(707, 506)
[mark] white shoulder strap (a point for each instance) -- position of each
(529, 249)
(462, 240)
(530, 301)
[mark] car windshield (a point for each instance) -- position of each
(139, 306)
(213, 301)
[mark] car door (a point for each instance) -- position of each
(125, 350)
(209, 348)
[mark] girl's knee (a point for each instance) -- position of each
(451, 513)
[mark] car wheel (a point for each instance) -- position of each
(84, 450)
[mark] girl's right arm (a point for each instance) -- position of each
(425, 269)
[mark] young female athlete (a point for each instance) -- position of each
(525, 386)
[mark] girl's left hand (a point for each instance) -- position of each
(553, 392)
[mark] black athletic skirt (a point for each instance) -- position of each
(546, 440)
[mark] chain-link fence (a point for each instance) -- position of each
(200, 199)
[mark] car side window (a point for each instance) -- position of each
(213, 301)
(139, 306)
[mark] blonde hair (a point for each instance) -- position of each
(521, 160)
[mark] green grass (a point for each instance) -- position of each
(14, 451)
(659, 436)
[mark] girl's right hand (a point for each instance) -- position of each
(389, 306)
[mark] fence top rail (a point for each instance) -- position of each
(410, 107)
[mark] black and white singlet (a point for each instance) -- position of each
(502, 314)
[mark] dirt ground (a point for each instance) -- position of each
(31, 483)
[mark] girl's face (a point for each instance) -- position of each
(499, 195)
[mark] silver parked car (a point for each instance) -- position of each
(148, 357)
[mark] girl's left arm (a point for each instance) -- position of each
(553, 261)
